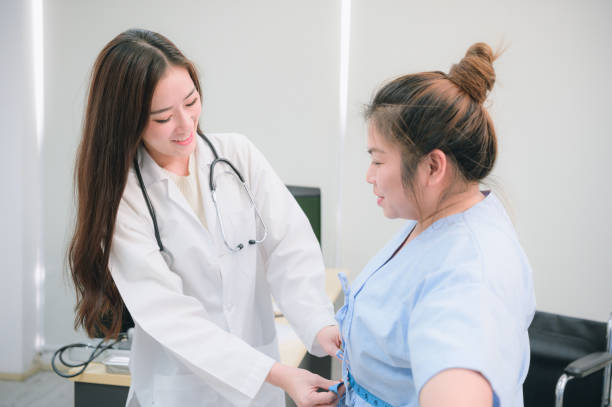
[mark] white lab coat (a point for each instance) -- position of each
(205, 333)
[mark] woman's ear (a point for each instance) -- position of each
(436, 166)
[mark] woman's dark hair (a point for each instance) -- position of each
(123, 80)
(433, 110)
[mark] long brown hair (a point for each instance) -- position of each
(433, 110)
(123, 80)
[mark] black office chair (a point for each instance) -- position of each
(563, 349)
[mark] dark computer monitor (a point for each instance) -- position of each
(309, 199)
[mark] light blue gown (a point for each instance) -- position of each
(460, 295)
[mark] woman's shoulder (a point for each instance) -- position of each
(485, 224)
(492, 230)
(133, 204)
(474, 240)
(132, 201)
(481, 247)
(452, 249)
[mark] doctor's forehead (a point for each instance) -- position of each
(172, 88)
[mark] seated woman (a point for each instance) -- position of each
(439, 316)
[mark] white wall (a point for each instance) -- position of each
(270, 70)
(551, 105)
(20, 204)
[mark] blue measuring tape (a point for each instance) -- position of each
(364, 394)
(361, 392)
(335, 388)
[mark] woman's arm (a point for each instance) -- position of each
(154, 295)
(294, 264)
(457, 388)
(179, 322)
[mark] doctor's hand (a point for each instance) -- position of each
(329, 339)
(302, 386)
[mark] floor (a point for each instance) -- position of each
(43, 389)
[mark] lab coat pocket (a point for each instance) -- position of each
(182, 390)
(242, 224)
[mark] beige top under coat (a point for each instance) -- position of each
(190, 188)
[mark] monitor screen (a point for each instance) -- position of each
(309, 199)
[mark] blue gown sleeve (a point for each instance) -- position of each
(461, 323)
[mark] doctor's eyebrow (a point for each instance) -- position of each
(168, 108)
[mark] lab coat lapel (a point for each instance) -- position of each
(152, 173)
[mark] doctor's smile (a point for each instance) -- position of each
(184, 141)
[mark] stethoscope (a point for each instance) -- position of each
(213, 190)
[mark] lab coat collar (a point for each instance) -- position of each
(152, 172)
(204, 156)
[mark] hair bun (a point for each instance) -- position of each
(474, 74)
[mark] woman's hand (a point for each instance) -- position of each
(329, 339)
(302, 386)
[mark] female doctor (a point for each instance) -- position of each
(194, 233)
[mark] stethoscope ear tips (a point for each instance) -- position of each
(240, 246)
(252, 241)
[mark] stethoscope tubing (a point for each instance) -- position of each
(149, 205)
(213, 189)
